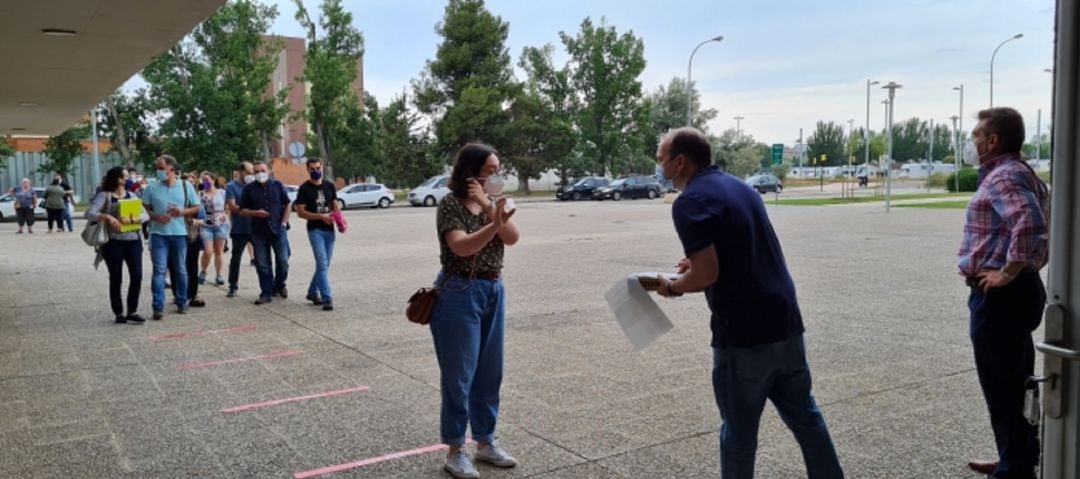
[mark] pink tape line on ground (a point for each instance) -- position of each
(239, 329)
(370, 461)
(246, 407)
(283, 354)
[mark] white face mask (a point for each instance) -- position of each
(249, 179)
(493, 186)
(971, 154)
(262, 176)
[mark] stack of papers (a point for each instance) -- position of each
(640, 318)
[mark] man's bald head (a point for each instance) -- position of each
(689, 142)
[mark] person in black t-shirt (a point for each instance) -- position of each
(315, 202)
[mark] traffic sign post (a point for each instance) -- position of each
(296, 151)
(777, 154)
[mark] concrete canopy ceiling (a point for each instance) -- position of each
(50, 82)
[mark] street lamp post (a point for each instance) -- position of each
(1014, 37)
(959, 138)
(850, 133)
(738, 127)
(689, 83)
(866, 133)
(94, 142)
(956, 154)
(891, 86)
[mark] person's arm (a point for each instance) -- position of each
(285, 203)
(465, 244)
(247, 208)
(193, 205)
(1022, 213)
(702, 271)
(231, 202)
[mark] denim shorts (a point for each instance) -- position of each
(211, 233)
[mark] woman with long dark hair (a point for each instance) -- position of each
(467, 324)
(123, 247)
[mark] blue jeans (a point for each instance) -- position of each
(170, 251)
(67, 217)
(467, 326)
(743, 378)
(322, 244)
(271, 280)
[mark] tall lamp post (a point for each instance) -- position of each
(891, 86)
(1014, 37)
(738, 127)
(959, 138)
(689, 83)
(850, 154)
(866, 133)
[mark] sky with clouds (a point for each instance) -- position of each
(783, 65)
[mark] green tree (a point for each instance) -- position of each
(125, 122)
(62, 149)
(827, 139)
(604, 72)
(1031, 145)
(333, 61)
(857, 144)
(6, 151)
(537, 138)
(667, 110)
(911, 140)
(738, 154)
(464, 90)
(943, 142)
(551, 87)
(409, 156)
(211, 89)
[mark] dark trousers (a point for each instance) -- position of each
(1001, 324)
(116, 253)
(239, 244)
(57, 215)
(271, 279)
(191, 263)
(25, 217)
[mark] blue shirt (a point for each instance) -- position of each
(270, 196)
(241, 225)
(159, 196)
(753, 299)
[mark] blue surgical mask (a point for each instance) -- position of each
(161, 175)
(128, 183)
(316, 175)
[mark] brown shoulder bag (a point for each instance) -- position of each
(421, 304)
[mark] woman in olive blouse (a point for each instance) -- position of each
(467, 324)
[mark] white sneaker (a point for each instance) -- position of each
(495, 455)
(460, 466)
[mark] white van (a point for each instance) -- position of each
(430, 192)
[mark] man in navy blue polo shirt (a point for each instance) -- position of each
(267, 204)
(733, 255)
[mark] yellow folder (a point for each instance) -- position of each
(131, 208)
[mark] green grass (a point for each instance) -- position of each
(864, 199)
(943, 205)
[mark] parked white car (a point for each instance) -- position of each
(365, 194)
(291, 190)
(7, 206)
(430, 192)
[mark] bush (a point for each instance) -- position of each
(969, 180)
(781, 171)
(937, 180)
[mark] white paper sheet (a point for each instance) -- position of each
(640, 318)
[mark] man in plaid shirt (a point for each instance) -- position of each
(1005, 243)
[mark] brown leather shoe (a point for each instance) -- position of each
(985, 467)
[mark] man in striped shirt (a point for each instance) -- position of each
(1005, 244)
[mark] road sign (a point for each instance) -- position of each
(777, 153)
(297, 149)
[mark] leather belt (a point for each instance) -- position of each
(488, 275)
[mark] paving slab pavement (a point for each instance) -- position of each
(81, 397)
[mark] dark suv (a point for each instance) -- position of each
(632, 187)
(583, 188)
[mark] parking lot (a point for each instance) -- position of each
(286, 390)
